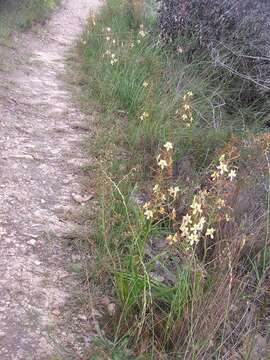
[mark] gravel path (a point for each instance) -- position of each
(40, 135)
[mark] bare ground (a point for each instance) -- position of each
(40, 135)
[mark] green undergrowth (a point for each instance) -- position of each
(22, 14)
(150, 94)
(16, 16)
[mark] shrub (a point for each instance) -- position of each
(236, 33)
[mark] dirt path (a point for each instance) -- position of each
(40, 135)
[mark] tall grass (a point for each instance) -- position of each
(15, 16)
(23, 14)
(172, 299)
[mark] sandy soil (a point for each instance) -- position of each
(40, 135)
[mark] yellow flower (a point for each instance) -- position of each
(186, 106)
(149, 214)
(173, 215)
(232, 175)
(147, 205)
(162, 163)
(162, 210)
(199, 226)
(210, 232)
(109, 29)
(114, 61)
(172, 238)
(145, 84)
(142, 33)
(190, 93)
(196, 207)
(156, 188)
(193, 239)
(173, 191)
(184, 117)
(185, 230)
(223, 168)
(108, 38)
(144, 115)
(220, 203)
(162, 197)
(187, 219)
(215, 175)
(222, 158)
(227, 217)
(168, 146)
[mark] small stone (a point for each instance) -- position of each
(31, 242)
(36, 262)
(56, 312)
(111, 309)
(81, 198)
(23, 156)
(82, 317)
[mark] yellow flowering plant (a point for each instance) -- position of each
(161, 205)
(185, 113)
(208, 207)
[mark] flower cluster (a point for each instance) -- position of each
(161, 205)
(164, 159)
(185, 111)
(223, 169)
(223, 187)
(111, 43)
(144, 116)
(208, 207)
(142, 34)
(194, 224)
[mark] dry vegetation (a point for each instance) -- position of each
(182, 236)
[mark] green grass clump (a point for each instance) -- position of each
(165, 297)
(19, 15)
(217, 113)
(23, 14)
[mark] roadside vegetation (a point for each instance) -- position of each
(23, 14)
(19, 15)
(182, 231)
